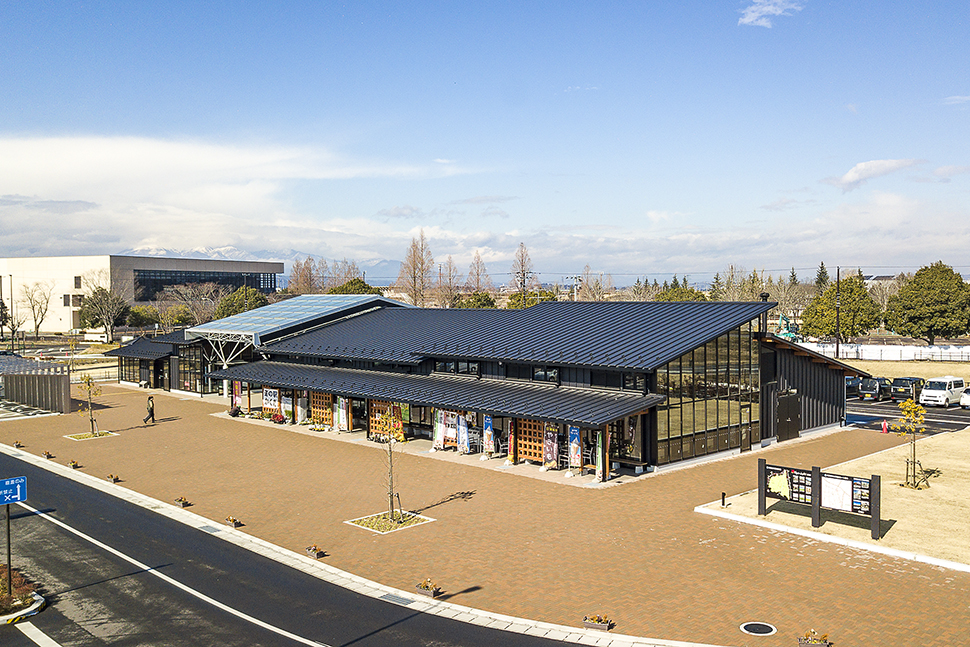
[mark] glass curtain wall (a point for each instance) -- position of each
(711, 392)
(191, 369)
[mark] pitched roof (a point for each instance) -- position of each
(618, 335)
(546, 402)
(276, 320)
(142, 348)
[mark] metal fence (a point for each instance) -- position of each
(894, 353)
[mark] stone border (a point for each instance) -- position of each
(102, 434)
(818, 536)
(423, 521)
(36, 607)
(349, 581)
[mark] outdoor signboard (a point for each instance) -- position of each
(270, 399)
(845, 493)
(488, 434)
(463, 447)
(13, 490)
(789, 483)
(575, 448)
(550, 445)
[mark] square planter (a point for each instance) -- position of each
(235, 523)
(315, 554)
(602, 626)
(431, 593)
(182, 504)
(802, 641)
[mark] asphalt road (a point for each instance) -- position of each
(99, 598)
(871, 414)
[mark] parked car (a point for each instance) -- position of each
(965, 399)
(875, 388)
(942, 391)
(852, 385)
(904, 388)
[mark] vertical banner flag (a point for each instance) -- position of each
(397, 423)
(488, 437)
(550, 446)
(599, 454)
(438, 441)
(463, 447)
(237, 393)
(341, 410)
(451, 429)
(575, 448)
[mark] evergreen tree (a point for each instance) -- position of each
(858, 312)
(716, 293)
(355, 285)
(243, 299)
(934, 303)
(477, 300)
(821, 279)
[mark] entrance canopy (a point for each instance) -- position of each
(545, 402)
(142, 348)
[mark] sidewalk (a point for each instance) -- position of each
(526, 547)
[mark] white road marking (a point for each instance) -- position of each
(173, 582)
(36, 635)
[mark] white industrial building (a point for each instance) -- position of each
(137, 278)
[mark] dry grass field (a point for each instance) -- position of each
(924, 369)
(933, 521)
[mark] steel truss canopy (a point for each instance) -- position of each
(278, 320)
(546, 402)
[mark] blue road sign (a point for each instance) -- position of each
(13, 490)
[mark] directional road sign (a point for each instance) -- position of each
(13, 490)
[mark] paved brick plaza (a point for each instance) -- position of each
(524, 546)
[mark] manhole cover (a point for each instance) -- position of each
(758, 628)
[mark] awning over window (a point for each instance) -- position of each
(583, 407)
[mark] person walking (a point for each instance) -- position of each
(151, 410)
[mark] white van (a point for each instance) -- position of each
(942, 391)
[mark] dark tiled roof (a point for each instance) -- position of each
(390, 335)
(518, 399)
(142, 348)
(177, 338)
(619, 335)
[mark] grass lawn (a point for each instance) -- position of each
(924, 369)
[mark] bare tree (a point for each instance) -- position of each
(415, 275)
(37, 298)
(304, 278)
(643, 290)
(449, 284)
(594, 287)
(201, 299)
(523, 277)
(478, 278)
(343, 271)
(101, 303)
(882, 291)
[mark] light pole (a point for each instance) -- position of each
(838, 304)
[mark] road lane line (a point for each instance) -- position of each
(36, 635)
(174, 582)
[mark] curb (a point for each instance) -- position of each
(349, 581)
(36, 607)
(830, 539)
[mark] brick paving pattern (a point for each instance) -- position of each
(523, 546)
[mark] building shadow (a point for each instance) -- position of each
(830, 516)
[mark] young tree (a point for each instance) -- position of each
(478, 278)
(449, 284)
(241, 300)
(37, 298)
(821, 279)
(415, 275)
(91, 390)
(935, 303)
(477, 300)
(102, 306)
(857, 315)
(909, 424)
(4, 317)
(343, 271)
(355, 286)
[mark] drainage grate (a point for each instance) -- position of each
(396, 599)
(209, 528)
(758, 628)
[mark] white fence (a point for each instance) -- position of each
(893, 353)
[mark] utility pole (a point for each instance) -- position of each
(838, 304)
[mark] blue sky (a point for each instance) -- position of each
(640, 138)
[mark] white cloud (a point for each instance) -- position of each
(406, 211)
(952, 101)
(864, 171)
(784, 204)
(441, 160)
(760, 12)
(944, 173)
(486, 199)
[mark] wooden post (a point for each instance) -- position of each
(762, 486)
(513, 442)
(816, 497)
(875, 492)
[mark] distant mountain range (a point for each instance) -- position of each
(377, 271)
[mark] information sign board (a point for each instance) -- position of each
(789, 483)
(13, 490)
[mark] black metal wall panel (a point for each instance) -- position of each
(821, 387)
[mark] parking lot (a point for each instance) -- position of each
(870, 414)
